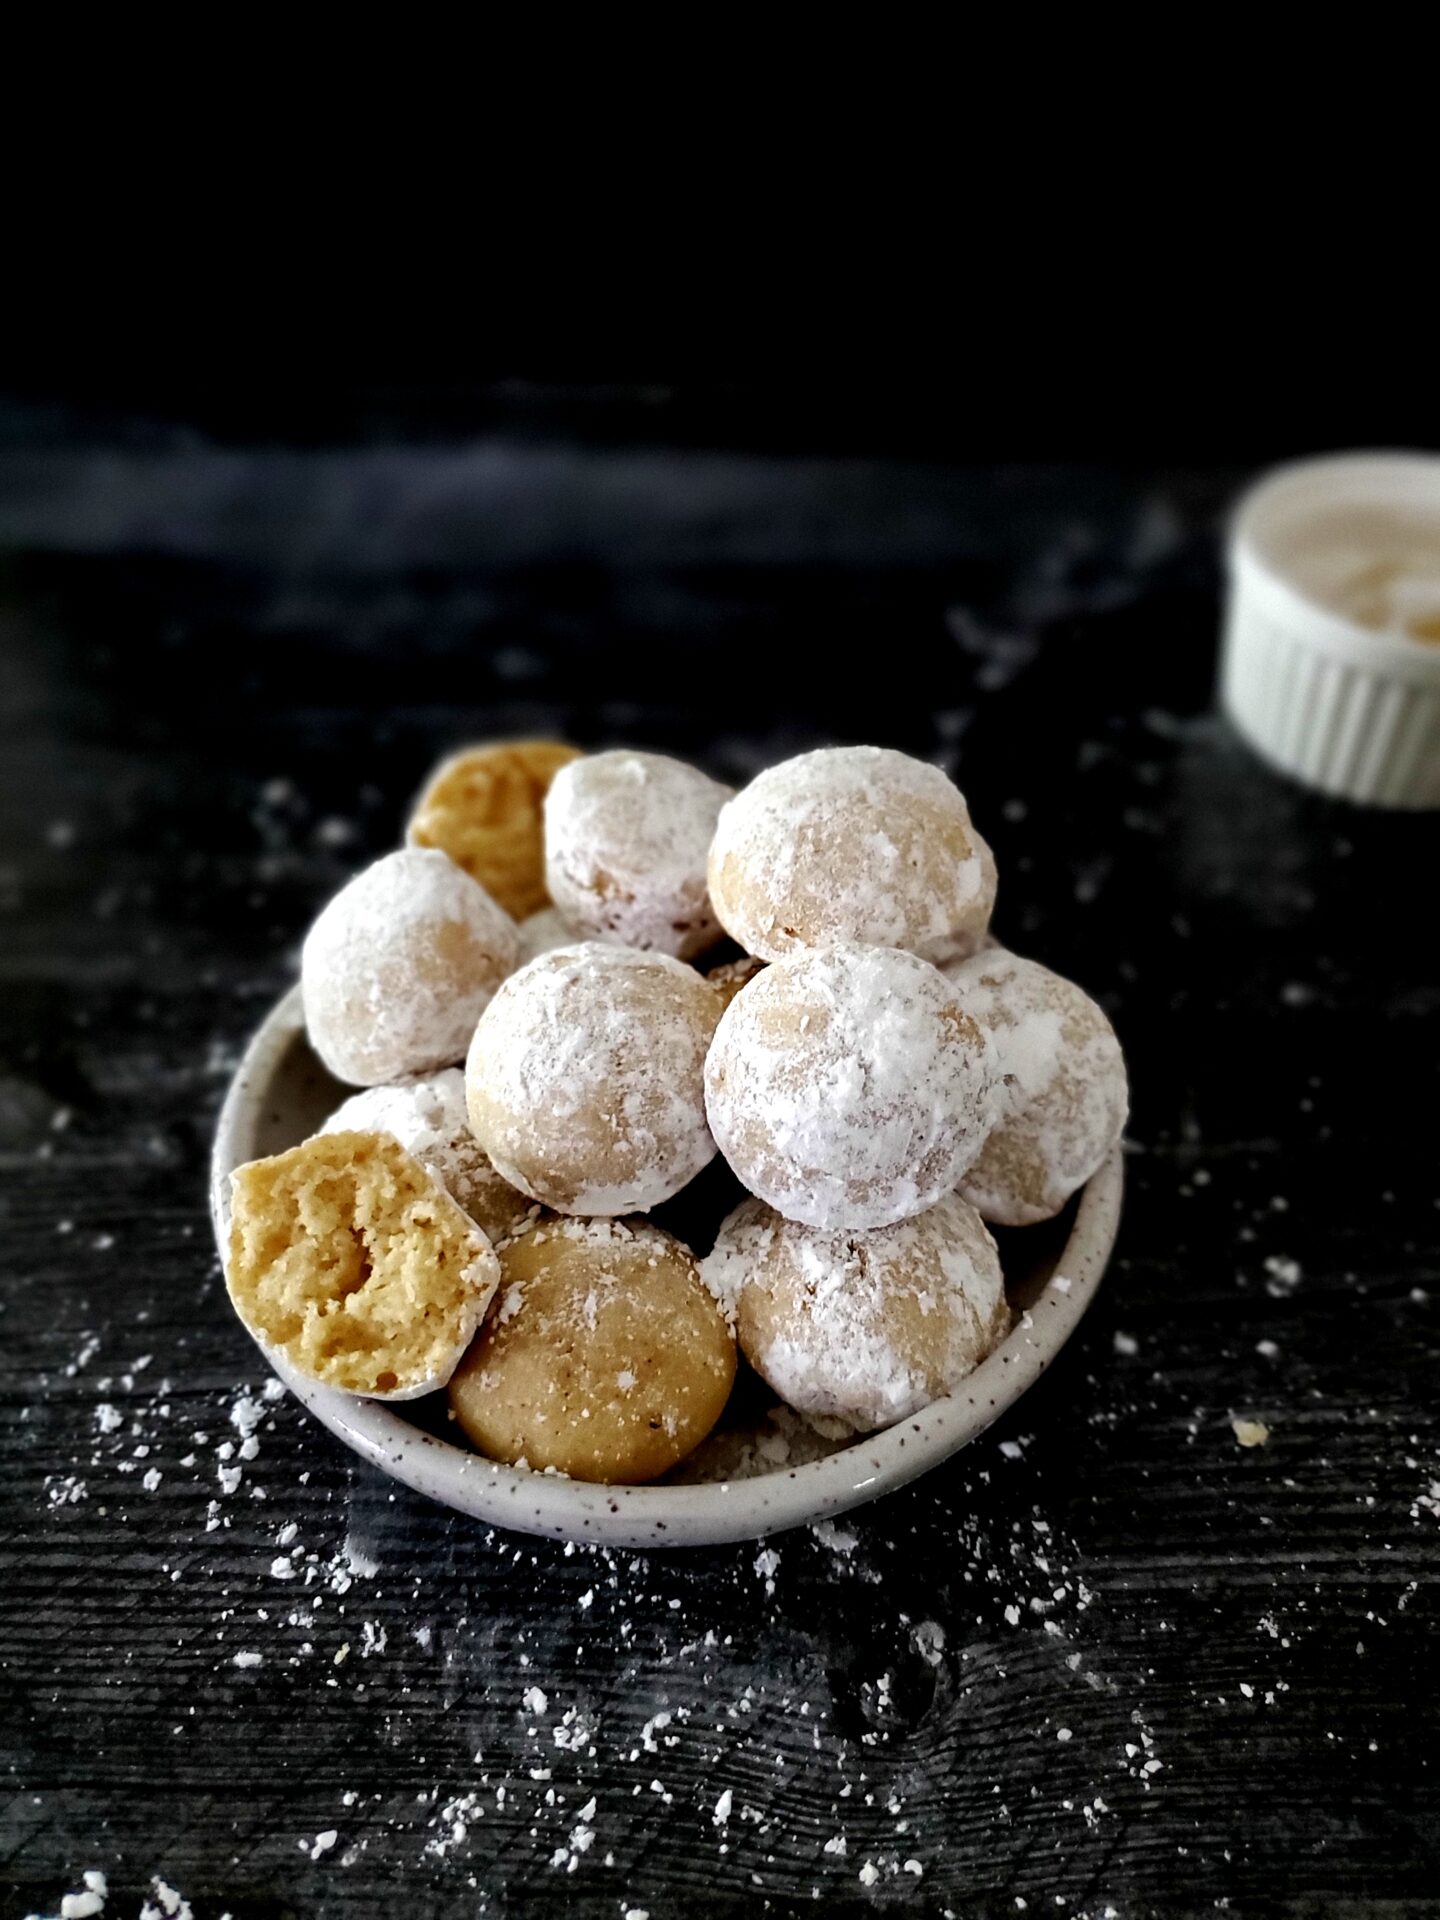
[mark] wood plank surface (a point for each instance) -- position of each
(1108, 1659)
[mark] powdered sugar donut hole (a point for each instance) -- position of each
(1063, 1095)
(429, 1120)
(542, 932)
(861, 1327)
(606, 1358)
(848, 1087)
(851, 843)
(585, 1079)
(627, 836)
(398, 967)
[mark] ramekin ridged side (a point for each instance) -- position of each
(1352, 712)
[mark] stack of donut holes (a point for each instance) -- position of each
(549, 1048)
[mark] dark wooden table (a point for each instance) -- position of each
(1108, 1659)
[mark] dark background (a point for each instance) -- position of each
(243, 606)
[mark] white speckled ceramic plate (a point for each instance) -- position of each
(280, 1093)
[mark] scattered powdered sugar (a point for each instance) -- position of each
(627, 836)
(848, 1087)
(358, 1562)
(840, 1540)
(1283, 1276)
(705, 1700)
(165, 1903)
(858, 843)
(87, 1903)
(929, 1638)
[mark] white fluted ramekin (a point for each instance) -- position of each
(1345, 708)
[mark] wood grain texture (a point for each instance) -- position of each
(1107, 1659)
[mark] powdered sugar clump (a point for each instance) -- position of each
(852, 843)
(627, 836)
(848, 1087)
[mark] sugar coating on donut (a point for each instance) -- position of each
(851, 843)
(848, 1087)
(861, 1327)
(429, 1120)
(728, 978)
(350, 1260)
(485, 807)
(605, 1358)
(585, 1079)
(1063, 1095)
(399, 965)
(627, 836)
(542, 932)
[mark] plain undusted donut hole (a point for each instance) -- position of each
(1063, 1095)
(351, 1261)
(399, 966)
(848, 1087)
(585, 1078)
(605, 1358)
(485, 808)
(627, 836)
(851, 843)
(861, 1327)
(429, 1120)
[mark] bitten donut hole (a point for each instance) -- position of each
(348, 1257)
(427, 1117)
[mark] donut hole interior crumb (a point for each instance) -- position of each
(345, 1255)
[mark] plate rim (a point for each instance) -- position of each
(712, 1513)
